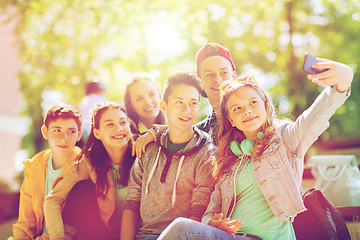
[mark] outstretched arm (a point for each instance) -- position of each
(301, 134)
(338, 74)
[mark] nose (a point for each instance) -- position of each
(147, 100)
(187, 108)
(218, 78)
(247, 110)
(64, 136)
(118, 126)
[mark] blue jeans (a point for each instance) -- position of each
(184, 228)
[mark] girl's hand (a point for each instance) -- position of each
(225, 224)
(338, 74)
(140, 144)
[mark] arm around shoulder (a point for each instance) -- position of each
(55, 200)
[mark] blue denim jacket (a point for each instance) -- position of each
(280, 168)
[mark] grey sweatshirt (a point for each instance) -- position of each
(161, 192)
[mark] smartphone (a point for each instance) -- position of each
(308, 62)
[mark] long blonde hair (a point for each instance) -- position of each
(224, 157)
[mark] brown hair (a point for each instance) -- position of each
(62, 111)
(224, 158)
(178, 78)
(135, 78)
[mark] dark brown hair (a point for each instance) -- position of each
(135, 78)
(62, 111)
(178, 78)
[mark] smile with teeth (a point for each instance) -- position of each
(119, 136)
(185, 118)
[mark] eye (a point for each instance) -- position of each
(123, 122)
(194, 103)
(56, 130)
(72, 131)
(235, 109)
(209, 75)
(110, 124)
(178, 102)
(224, 73)
(253, 102)
(138, 99)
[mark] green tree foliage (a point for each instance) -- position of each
(66, 43)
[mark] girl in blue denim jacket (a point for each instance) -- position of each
(258, 178)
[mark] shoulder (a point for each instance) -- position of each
(40, 158)
(204, 149)
(206, 138)
(84, 165)
(151, 150)
(207, 123)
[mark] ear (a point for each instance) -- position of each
(79, 135)
(44, 131)
(96, 133)
(230, 120)
(163, 106)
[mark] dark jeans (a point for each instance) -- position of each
(81, 212)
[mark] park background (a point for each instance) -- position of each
(50, 49)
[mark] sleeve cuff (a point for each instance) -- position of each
(132, 205)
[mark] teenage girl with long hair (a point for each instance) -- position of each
(142, 101)
(93, 194)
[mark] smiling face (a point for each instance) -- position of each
(182, 107)
(246, 111)
(145, 101)
(213, 71)
(62, 135)
(114, 129)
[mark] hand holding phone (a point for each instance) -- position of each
(308, 62)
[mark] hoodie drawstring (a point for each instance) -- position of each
(173, 199)
(152, 172)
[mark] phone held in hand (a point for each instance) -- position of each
(308, 62)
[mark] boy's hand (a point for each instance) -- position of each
(140, 144)
(338, 74)
(225, 224)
